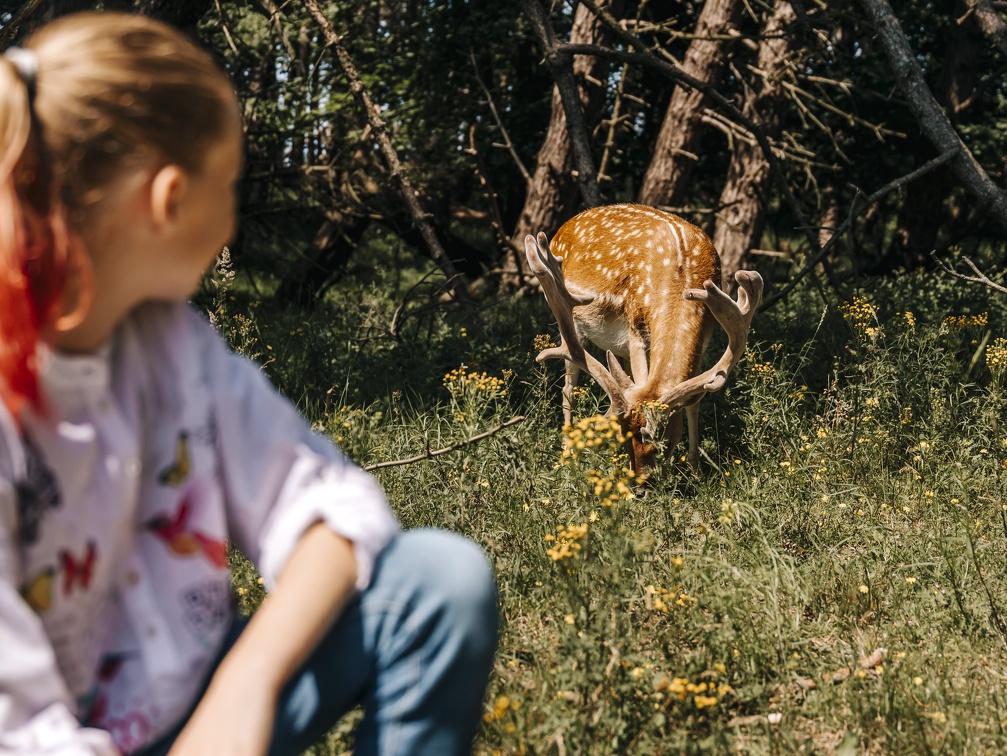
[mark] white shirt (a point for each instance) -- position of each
(114, 588)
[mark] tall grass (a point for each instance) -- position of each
(830, 579)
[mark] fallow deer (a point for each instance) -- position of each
(643, 285)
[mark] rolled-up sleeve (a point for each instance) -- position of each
(36, 717)
(279, 477)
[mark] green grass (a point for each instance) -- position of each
(852, 498)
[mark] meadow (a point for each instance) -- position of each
(830, 580)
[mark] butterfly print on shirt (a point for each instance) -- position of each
(36, 495)
(183, 541)
(177, 472)
(78, 571)
(37, 592)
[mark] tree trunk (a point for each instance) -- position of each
(742, 213)
(674, 156)
(923, 212)
(553, 193)
(335, 241)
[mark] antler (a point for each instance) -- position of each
(548, 269)
(736, 319)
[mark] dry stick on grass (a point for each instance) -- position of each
(431, 454)
(856, 212)
(380, 133)
(560, 64)
(931, 117)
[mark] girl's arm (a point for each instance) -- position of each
(316, 583)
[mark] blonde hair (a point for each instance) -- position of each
(112, 91)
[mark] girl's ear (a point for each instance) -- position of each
(167, 188)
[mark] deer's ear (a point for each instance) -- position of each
(168, 186)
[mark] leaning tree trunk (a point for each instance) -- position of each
(667, 176)
(742, 213)
(553, 192)
(923, 212)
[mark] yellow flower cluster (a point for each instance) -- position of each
(862, 314)
(966, 321)
(543, 341)
(996, 356)
(910, 318)
(728, 511)
(501, 706)
(761, 369)
(566, 541)
(590, 432)
(654, 405)
(680, 687)
(613, 486)
(661, 598)
(460, 380)
(593, 433)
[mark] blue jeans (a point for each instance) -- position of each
(415, 649)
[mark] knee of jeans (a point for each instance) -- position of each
(459, 579)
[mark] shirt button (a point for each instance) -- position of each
(132, 578)
(104, 405)
(132, 468)
(151, 631)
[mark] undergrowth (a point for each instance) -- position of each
(830, 579)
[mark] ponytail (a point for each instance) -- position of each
(35, 245)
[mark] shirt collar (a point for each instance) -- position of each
(73, 381)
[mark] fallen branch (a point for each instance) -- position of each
(431, 454)
(855, 213)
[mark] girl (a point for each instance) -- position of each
(134, 446)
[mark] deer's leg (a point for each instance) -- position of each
(569, 384)
(638, 357)
(673, 432)
(692, 415)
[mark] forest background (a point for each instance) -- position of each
(830, 579)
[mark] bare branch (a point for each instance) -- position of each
(855, 213)
(438, 452)
(979, 276)
(673, 70)
(509, 246)
(508, 144)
